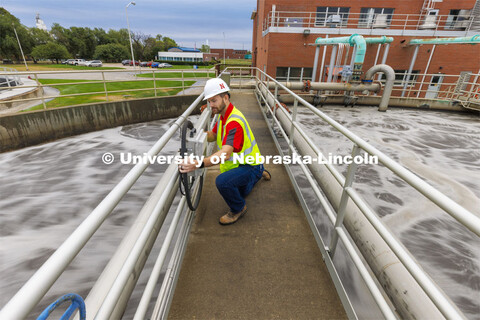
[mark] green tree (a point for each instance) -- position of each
(82, 42)
(51, 50)
(112, 52)
(60, 34)
(39, 36)
(101, 36)
(119, 36)
(8, 41)
(168, 43)
(205, 48)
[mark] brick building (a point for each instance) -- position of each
(230, 53)
(284, 31)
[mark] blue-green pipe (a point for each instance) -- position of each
(470, 40)
(382, 39)
(355, 39)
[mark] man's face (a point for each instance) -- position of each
(217, 103)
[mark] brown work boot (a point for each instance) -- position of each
(266, 175)
(230, 217)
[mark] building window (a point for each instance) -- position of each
(294, 74)
(375, 17)
(401, 77)
(332, 16)
(458, 19)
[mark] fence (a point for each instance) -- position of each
(105, 85)
(368, 20)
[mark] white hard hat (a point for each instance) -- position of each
(215, 86)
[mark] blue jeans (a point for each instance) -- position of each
(234, 185)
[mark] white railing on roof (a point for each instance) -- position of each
(357, 20)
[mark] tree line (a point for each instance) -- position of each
(76, 42)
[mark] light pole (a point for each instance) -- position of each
(130, 37)
(21, 50)
(224, 48)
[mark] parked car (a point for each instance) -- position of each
(165, 65)
(79, 62)
(149, 64)
(126, 62)
(69, 61)
(130, 63)
(94, 63)
(155, 64)
(143, 64)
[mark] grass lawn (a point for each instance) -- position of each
(52, 67)
(243, 62)
(94, 91)
(178, 75)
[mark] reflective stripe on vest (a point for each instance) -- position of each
(249, 147)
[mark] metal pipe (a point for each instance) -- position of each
(320, 76)
(426, 70)
(459, 40)
(410, 300)
(465, 217)
(152, 281)
(352, 61)
(379, 40)
(332, 63)
(331, 86)
(387, 91)
(412, 63)
(315, 63)
(378, 53)
(384, 58)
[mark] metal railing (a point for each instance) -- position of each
(355, 20)
(106, 79)
(466, 218)
(33, 291)
(37, 286)
(9, 78)
(463, 89)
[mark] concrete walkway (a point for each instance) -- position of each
(265, 266)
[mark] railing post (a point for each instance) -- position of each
(154, 82)
(240, 78)
(105, 86)
(183, 84)
(292, 127)
(43, 92)
(344, 199)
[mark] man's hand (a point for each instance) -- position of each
(188, 165)
(211, 136)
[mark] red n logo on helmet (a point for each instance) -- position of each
(222, 86)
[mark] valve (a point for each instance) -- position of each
(192, 144)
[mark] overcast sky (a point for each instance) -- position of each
(186, 21)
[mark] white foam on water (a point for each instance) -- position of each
(48, 190)
(442, 149)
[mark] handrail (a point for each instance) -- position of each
(462, 215)
(37, 286)
(183, 77)
(358, 20)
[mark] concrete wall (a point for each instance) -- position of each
(31, 128)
